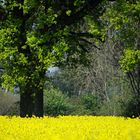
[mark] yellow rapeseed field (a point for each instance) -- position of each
(69, 128)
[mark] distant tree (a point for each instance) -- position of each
(122, 19)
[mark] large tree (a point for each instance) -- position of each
(33, 36)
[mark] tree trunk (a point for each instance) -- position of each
(38, 91)
(39, 102)
(26, 102)
(31, 98)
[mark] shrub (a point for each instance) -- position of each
(79, 107)
(55, 103)
(91, 102)
(132, 108)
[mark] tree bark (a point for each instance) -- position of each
(39, 111)
(38, 91)
(26, 102)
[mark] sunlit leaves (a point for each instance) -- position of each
(68, 12)
(8, 79)
(60, 48)
(130, 60)
(8, 37)
(48, 18)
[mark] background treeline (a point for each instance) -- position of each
(99, 88)
(100, 73)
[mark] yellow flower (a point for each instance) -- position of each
(69, 128)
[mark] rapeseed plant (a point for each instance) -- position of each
(69, 128)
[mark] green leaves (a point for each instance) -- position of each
(68, 12)
(7, 37)
(34, 36)
(60, 48)
(122, 21)
(8, 79)
(130, 60)
(79, 2)
(44, 18)
(30, 5)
